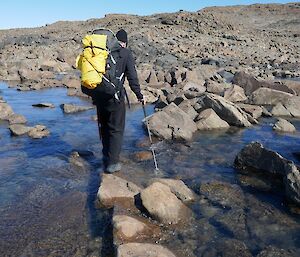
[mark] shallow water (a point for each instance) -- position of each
(47, 205)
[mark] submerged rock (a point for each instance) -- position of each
(143, 156)
(283, 125)
(114, 189)
(44, 105)
(143, 250)
(163, 205)
(272, 251)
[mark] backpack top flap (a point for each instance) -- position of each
(112, 42)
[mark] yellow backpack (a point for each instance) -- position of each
(92, 61)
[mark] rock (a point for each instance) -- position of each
(272, 251)
(72, 83)
(152, 80)
(143, 156)
(265, 112)
(113, 189)
(188, 109)
(235, 94)
(16, 119)
(176, 98)
(293, 106)
(224, 194)
(19, 129)
(215, 87)
(208, 120)
(255, 156)
(163, 205)
(227, 248)
(226, 110)
(30, 75)
(283, 125)
(143, 250)
(266, 96)
(254, 110)
(280, 110)
(251, 84)
(39, 131)
(5, 111)
(72, 108)
(178, 188)
(200, 88)
(44, 105)
(292, 183)
(172, 123)
(127, 227)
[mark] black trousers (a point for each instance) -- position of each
(111, 122)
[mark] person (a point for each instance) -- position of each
(111, 113)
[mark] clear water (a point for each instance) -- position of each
(47, 206)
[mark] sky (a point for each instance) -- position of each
(34, 13)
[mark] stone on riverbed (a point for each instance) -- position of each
(272, 251)
(208, 120)
(72, 108)
(172, 123)
(283, 125)
(5, 111)
(163, 205)
(115, 189)
(143, 250)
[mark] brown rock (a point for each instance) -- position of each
(143, 250)
(143, 156)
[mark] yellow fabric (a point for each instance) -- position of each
(92, 61)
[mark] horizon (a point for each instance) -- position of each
(32, 13)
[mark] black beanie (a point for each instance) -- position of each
(122, 35)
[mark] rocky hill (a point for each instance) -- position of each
(262, 39)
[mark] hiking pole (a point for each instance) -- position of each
(150, 138)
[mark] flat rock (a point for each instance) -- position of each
(44, 105)
(172, 123)
(283, 125)
(16, 119)
(163, 205)
(19, 129)
(114, 189)
(266, 96)
(226, 110)
(72, 108)
(179, 188)
(143, 250)
(208, 119)
(187, 107)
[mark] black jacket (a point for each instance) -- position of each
(125, 65)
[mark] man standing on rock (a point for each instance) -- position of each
(111, 113)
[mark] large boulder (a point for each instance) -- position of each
(255, 156)
(235, 94)
(266, 96)
(19, 129)
(283, 125)
(72, 108)
(187, 107)
(293, 106)
(172, 123)
(215, 87)
(113, 189)
(163, 205)
(226, 110)
(5, 111)
(280, 110)
(143, 250)
(251, 84)
(208, 120)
